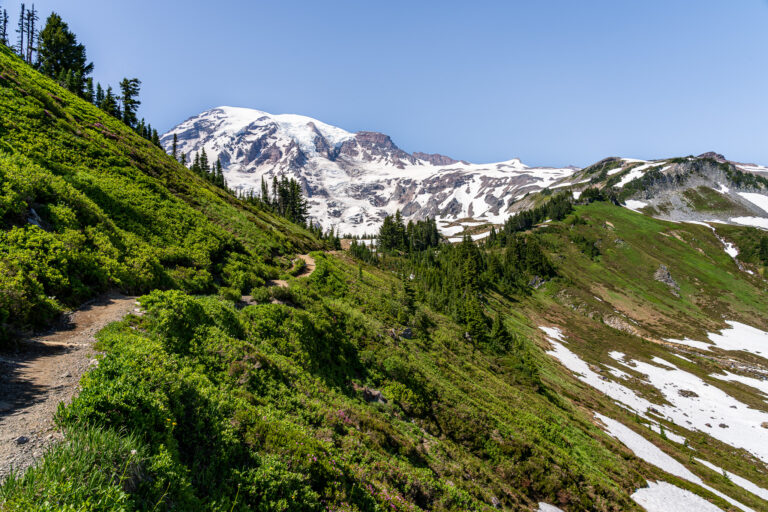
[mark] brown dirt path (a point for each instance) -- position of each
(43, 371)
(310, 262)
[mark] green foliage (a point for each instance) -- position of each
(60, 55)
(86, 205)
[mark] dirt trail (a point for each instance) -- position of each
(308, 260)
(247, 300)
(43, 371)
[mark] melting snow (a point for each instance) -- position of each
(665, 497)
(758, 222)
(738, 337)
(757, 199)
(651, 454)
(546, 507)
(736, 479)
(708, 409)
(634, 205)
(762, 385)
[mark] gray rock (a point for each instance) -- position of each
(663, 275)
(22, 440)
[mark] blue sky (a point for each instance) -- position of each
(554, 82)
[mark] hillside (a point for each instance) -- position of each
(533, 371)
(87, 205)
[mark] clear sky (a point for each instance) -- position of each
(554, 82)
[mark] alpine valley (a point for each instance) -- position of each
(182, 336)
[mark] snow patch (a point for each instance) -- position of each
(665, 497)
(546, 507)
(738, 337)
(757, 199)
(758, 222)
(736, 479)
(651, 454)
(634, 205)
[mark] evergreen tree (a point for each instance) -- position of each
(763, 251)
(21, 31)
(109, 103)
(89, 92)
(129, 88)
(30, 21)
(264, 192)
(4, 27)
(175, 147)
(59, 51)
(99, 95)
(155, 138)
(183, 159)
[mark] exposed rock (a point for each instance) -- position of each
(723, 425)
(662, 275)
(687, 393)
(435, 158)
(713, 155)
(764, 424)
(22, 440)
(619, 323)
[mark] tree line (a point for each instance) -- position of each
(55, 52)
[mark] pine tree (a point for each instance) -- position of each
(183, 159)
(109, 103)
(31, 21)
(4, 27)
(58, 50)
(264, 192)
(99, 95)
(20, 30)
(155, 137)
(175, 147)
(129, 88)
(89, 92)
(204, 166)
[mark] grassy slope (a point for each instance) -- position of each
(712, 289)
(114, 210)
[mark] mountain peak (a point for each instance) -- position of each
(355, 179)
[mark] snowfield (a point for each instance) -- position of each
(665, 497)
(758, 222)
(691, 403)
(738, 337)
(736, 479)
(757, 199)
(651, 454)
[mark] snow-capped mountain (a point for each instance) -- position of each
(353, 180)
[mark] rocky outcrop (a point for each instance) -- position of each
(435, 158)
(663, 275)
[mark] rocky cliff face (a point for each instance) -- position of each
(353, 180)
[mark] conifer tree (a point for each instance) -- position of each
(264, 192)
(109, 103)
(99, 95)
(21, 31)
(4, 27)
(175, 147)
(129, 88)
(183, 159)
(58, 50)
(89, 92)
(31, 33)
